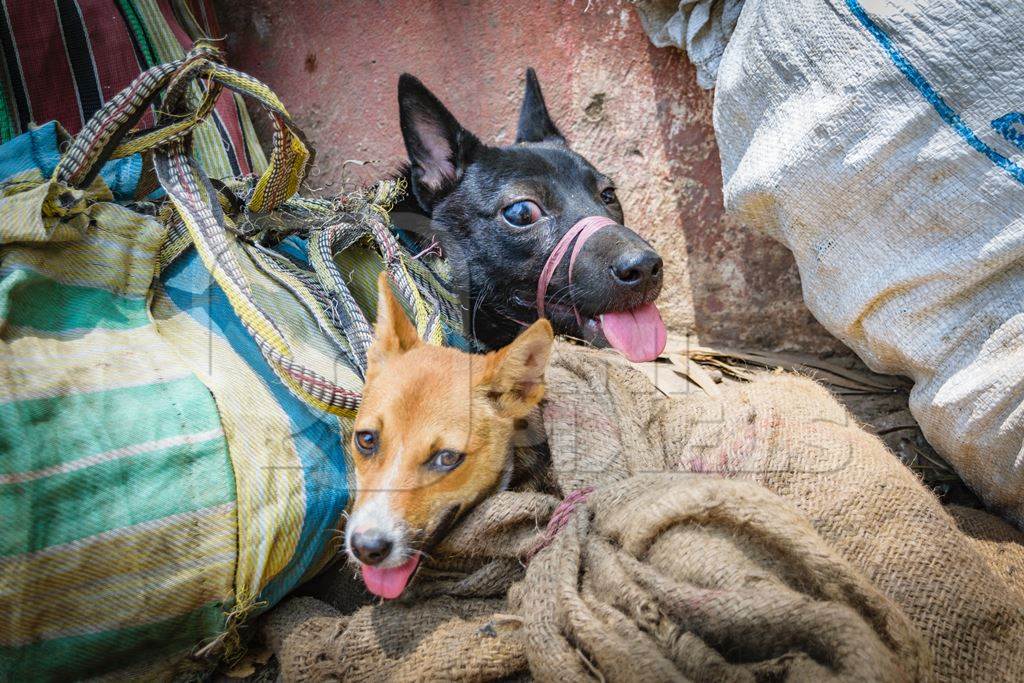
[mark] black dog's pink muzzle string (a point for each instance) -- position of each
(581, 232)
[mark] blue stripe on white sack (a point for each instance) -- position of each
(935, 99)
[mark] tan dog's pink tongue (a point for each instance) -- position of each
(639, 334)
(389, 582)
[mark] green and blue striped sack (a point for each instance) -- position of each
(179, 377)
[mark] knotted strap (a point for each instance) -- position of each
(193, 197)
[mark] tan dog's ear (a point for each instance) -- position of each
(395, 333)
(514, 376)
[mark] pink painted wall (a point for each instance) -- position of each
(632, 109)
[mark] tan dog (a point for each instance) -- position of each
(433, 437)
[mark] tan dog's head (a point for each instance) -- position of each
(433, 437)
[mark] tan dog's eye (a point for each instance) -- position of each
(366, 442)
(446, 460)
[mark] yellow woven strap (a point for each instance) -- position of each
(291, 156)
(428, 320)
(105, 136)
(102, 133)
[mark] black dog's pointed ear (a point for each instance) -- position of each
(535, 124)
(439, 148)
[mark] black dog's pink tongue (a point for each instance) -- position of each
(389, 582)
(639, 334)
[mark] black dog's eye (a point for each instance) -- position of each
(608, 196)
(446, 461)
(521, 213)
(366, 442)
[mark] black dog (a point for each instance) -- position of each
(498, 212)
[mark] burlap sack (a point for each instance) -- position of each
(791, 436)
(688, 577)
(444, 639)
(684, 588)
(802, 549)
(1001, 544)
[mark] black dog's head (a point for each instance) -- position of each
(498, 212)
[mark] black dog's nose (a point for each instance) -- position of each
(371, 547)
(637, 267)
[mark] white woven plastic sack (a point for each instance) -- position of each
(883, 143)
(701, 27)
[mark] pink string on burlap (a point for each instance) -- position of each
(581, 232)
(559, 518)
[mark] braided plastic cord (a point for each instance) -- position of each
(428, 322)
(584, 229)
(321, 256)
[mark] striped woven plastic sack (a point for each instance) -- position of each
(177, 381)
(62, 61)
